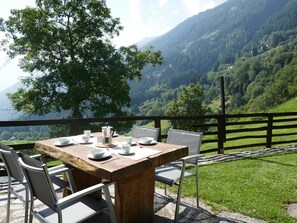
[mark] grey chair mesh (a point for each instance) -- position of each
(20, 191)
(15, 173)
(73, 208)
(172, 174)
(140, 131)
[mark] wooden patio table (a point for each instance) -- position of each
(134, 179)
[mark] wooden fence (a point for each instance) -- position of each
(221, 132)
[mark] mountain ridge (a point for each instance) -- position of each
(207, 41)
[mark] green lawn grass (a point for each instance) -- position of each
(259, 187)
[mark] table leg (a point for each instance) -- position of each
(134, 198)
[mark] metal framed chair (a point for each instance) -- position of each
(76, 207)
(173, 174)
(20, 190)
(140, 131)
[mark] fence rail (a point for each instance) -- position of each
(219, 130)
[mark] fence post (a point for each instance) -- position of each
(221, 133)
(74, 127)
(269, 131)
(157, 122)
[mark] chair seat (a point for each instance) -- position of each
(75, 211)
(169, 175)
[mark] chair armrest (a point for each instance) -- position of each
(58, 169)
(2, 165)
(82, 193)
(192, 157)
(52, 170)
(38, 157)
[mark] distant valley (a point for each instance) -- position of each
(7, 112)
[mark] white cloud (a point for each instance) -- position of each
(163, 2)
(142, 23)
(155, 17)
(6, 6)
(175, 11)
(196, 6)
(132, 23)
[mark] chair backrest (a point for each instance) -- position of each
(190, 139)
(39, 181)
(140, 131)
(10, 160)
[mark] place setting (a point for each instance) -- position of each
(61, 142)
(147, 141)
(131, 150)
(126, 150)
(99, 154)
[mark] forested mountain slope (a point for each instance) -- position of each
(215, 43)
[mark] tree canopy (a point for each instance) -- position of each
(187, 103)
(66, 47)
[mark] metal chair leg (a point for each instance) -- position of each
(197, 187)
(8, 202)
(71, 182)
(27, 201)
(179, 191)
(110, 205)
(177, 203)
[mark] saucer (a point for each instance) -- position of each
(126, 154)
(104, 156)
(85, 143)
(133, 143)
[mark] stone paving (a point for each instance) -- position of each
(164, 206)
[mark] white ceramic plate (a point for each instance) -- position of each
(105, 155)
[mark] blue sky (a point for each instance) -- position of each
(140, 18)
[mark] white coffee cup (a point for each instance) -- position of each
(128, 140)
(87, 132)
(125, 148)
(85, 138)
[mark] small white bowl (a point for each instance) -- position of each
(146, 140)
(97, 153)
(64, 141)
